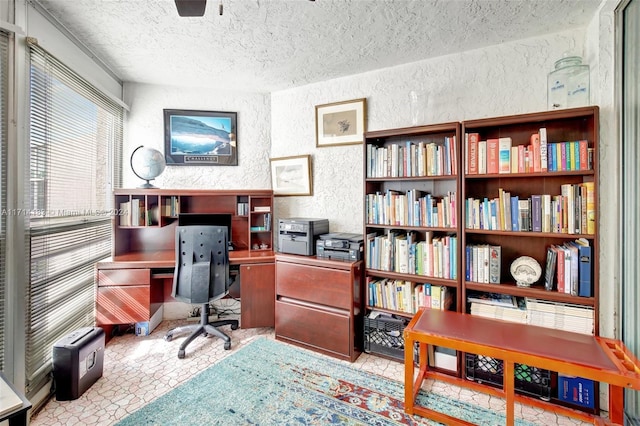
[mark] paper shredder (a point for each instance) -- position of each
(77, 362)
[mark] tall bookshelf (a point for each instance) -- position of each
(411, 223)
(566, 183)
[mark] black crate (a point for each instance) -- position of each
(383, 336)
(528, 380)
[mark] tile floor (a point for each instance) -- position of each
(139, 369)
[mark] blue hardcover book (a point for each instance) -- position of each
(551, 156)
(515, 214)
(585, 268)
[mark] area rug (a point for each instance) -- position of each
(271, 383)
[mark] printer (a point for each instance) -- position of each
(298, 235)
(340, 246)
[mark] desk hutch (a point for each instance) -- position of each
(133, 284)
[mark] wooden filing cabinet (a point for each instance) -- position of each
(126, 296)
(319, 304)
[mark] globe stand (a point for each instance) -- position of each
(145, 185)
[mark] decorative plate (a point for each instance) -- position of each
(526, 271)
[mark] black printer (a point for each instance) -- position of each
(340, 246)
(297, 235)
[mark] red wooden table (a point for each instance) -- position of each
(596, 358)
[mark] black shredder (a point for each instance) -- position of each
(77, 362)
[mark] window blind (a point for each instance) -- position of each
(4, 84)
(75, 155)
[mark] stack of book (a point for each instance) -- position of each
(497, 306)
(559, 315)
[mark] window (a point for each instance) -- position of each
(75, 155)
(4, 81)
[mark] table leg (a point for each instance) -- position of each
(509, 390)
(616, 404)
(408, 375)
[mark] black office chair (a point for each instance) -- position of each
(201, 276)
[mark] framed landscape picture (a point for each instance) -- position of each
(341, 123)
(200, 138)
(291, 175)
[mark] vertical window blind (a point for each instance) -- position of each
(4, 85)
(75, 161)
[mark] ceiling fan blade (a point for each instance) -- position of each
(191, 7)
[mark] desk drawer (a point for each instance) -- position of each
(110, 277)
(123, 304)
(325, 286)
(327, 330)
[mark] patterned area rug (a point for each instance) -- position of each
(270, 383)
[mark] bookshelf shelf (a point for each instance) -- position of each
(412, 203)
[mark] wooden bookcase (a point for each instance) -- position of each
(574, 164)
(405, 171)
(561, 126)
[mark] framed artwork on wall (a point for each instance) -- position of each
(291, 175)
(200, 138)
(341, 123)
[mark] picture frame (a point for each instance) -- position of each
(341, 123)
(200, 138)
(291, 175)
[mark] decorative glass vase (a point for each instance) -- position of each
(568, 84)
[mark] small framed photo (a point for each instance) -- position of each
(200, 138)
(341, 123)
(291, 175)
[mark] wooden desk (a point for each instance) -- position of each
(18, 415)
(133, 286)
(596, 358)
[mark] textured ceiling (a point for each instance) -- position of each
(268, 45)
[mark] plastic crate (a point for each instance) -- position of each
(383, 336)
(528, 380)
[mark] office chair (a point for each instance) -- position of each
(201, 276)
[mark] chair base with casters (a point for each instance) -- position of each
(203, 327)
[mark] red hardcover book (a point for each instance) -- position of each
(559, 268)
(535, 144)
(492, 156)
(472, 146)
(583, 147)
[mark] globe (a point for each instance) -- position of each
(147, 164)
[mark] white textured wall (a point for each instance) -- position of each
(144, 125)
(502, 80)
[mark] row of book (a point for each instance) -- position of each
(242, 208)
(171, 206)
(532, 311)
(404, 296)
(571, 212)
(135, 213)
(499, 155)
(413, 208)
(400, 252)
(483, 263)
(569, 268)
(412, 159)
(261, 223)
